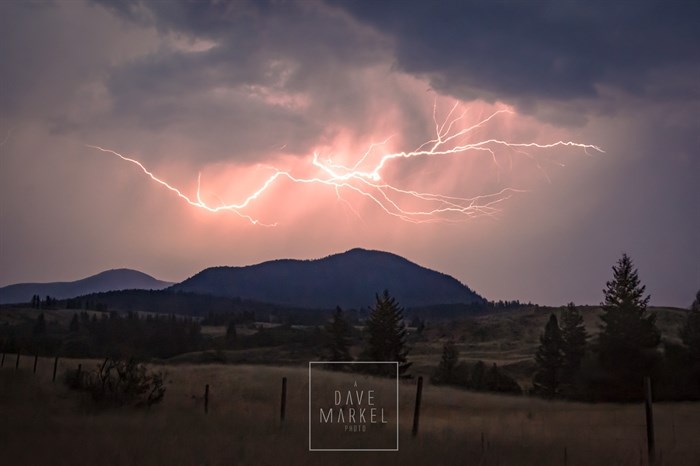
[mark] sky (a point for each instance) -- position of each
(520, 147)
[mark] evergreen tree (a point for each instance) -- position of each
(40, 325)
(478, 376)
(446, 371)
(339, 340)
(487, 380)
(74, 324)
(418, 324)
(627, 328)
(549, 359)
(573, 337)
(231, 332)
(496, 381)
(387, 333)
(491, 378)
(690, 333)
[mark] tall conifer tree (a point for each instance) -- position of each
(549, 358)
(690, 333)
(386, 333)
(628, 329)
(446, 370)
(339, 342)
(573, 336)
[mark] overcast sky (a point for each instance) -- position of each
(229, 93)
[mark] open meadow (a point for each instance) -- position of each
(47, 423)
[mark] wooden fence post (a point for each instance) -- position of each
(206, 398)
(650, 420)
(416, 411)
(283, 406)
(17, 362)
(55, 366)
(36, 359)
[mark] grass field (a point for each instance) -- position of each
(509, 339)
(45, 423)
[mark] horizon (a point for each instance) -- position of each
(178, 281)
(516, 158)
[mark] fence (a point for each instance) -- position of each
(651, 455)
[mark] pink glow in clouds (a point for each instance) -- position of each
(477, 156)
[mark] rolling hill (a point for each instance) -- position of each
(117, 279)
(348, 279)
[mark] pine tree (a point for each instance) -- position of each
(387, 333)
(491, 378)
(627, 328)
(549, 359)
(231, 332)
(477, 379)
(690, 333)
(446, 371)
(338, 332)
(74, 324)
(497, 381)
(573, 336)
(40, 325)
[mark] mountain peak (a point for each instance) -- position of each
(349, 279)
(108, 280)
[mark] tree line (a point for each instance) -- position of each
(88, 335)
(572, 365)
(477, 377)
(384, 338)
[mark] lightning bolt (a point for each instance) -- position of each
(364, 177)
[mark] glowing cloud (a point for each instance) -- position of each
(365, 174)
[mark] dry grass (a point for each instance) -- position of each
(510, 339)
(44, 423)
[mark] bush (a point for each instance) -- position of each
(119, 383)
(477, 377)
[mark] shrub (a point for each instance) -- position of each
(119, 383)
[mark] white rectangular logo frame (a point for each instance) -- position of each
(396, 364)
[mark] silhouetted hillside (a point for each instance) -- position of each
(349, 280)
(192, 304)
(118, 279)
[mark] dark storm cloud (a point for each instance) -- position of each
(542, 49)
(182, 84)
(249, 34)
(207, 18)
(269, 59)
(24, 56)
